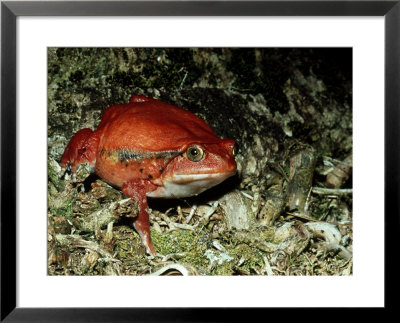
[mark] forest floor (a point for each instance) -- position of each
(287, 211)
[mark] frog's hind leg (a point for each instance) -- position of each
(137, 190)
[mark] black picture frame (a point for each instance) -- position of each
(10, 10)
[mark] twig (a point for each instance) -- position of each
(78, 242)
(302, 216)
(332, 191)
(109, 233)
(175, 269)
(174, 255)
(211, 211)
(183, 80)
(192, 212)
(247, 195)
(174, 226)
(330, 246)
(305, 217)
(267, 267)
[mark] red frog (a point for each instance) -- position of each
(149, 148)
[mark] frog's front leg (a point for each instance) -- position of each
(137, 190)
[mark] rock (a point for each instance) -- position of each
(237, 211)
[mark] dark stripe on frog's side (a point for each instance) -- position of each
(126, 155)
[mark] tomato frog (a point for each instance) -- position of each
(149, 148)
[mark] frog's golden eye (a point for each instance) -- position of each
(195, 153)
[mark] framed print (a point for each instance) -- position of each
(208, 139)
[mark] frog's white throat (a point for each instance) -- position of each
(188, 185)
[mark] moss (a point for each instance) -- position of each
(251, 257)
(62, 208)
(182, 241)
(225, 269)
(65, 210)
(128, 246)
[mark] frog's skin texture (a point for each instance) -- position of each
(149, 148)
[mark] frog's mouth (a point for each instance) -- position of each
(185, 185)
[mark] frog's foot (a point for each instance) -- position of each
(143, 229)
(64, 170)
(68, 169)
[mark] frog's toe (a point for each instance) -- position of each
(65, 169)
(149, 247)
(144, 233)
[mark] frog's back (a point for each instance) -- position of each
(152, 125)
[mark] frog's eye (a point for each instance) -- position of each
(195, 153)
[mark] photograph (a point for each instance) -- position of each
(199, 161)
